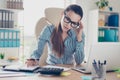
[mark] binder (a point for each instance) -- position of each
(2, 33)
(8, 3)
(11, 22)
(111, 35)
(101, 35)
(1, 38)
(14, 38)
(5, 38)
(17, 38)
(3, 21)
(113, 20)
(0, 18)
(10, 38)
(7, 19)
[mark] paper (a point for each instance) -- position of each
(7, 72)
(118, 75)
(13, 74)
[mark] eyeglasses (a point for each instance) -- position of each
(72, 24)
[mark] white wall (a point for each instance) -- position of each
(89, 5)
(34, 10)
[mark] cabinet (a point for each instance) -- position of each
(10, 31)
(103, 27)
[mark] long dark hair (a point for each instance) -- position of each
(56, 37)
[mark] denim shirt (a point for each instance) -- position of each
(74, 50)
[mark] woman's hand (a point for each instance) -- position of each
(31, 62)
(79, 32)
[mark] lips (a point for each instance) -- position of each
(66, 28)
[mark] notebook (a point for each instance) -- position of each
(105, 51)
(20, 68)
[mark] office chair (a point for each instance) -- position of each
(52, 16)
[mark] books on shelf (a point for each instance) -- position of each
(15, 4)
(9, 38)
(108, 30)
(108, 35)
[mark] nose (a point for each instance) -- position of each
(68, 25)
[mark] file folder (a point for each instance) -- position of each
(113, 20)
(111, 35)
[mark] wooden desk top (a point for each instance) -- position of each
(74, 75)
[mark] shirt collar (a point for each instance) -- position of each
(70, 32)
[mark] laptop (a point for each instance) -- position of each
(105, 51)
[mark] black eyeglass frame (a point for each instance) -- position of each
(66, 19)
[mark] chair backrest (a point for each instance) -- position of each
(40, 24)
(52, 16)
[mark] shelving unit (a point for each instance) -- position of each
(104, 27)
(10, 31)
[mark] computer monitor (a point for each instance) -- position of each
(102, 51)
(105, 51)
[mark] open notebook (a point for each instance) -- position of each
(108, 52)
(20, 68)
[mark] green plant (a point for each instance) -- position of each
(2, 55)
(102, 3)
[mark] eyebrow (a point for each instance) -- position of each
(70, 19)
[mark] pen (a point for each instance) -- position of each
(104, 62)
(94, 61)
(96, 67)
(33, 59)
(99, 64)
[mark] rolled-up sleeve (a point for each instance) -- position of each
(79, 50)
(43, 38)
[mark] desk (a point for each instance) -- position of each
(73, 76)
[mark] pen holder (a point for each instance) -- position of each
(99, 72)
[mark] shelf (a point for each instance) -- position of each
(104, 27)
(10, 31)
(10, 28)
(107, 27)
(108, 12)
(13, 10)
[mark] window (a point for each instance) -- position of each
(31, 15)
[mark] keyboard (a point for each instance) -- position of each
(50, 71)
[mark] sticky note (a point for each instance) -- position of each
(65, 74)
(118, 75)
(86, 77)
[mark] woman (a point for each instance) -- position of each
(65, 41)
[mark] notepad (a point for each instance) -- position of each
(20, 68)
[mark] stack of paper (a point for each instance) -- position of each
(12, 74)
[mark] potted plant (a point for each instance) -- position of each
(2, 55)
(101, 4)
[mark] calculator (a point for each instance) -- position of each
(50, 71)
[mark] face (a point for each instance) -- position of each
(70, 20)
